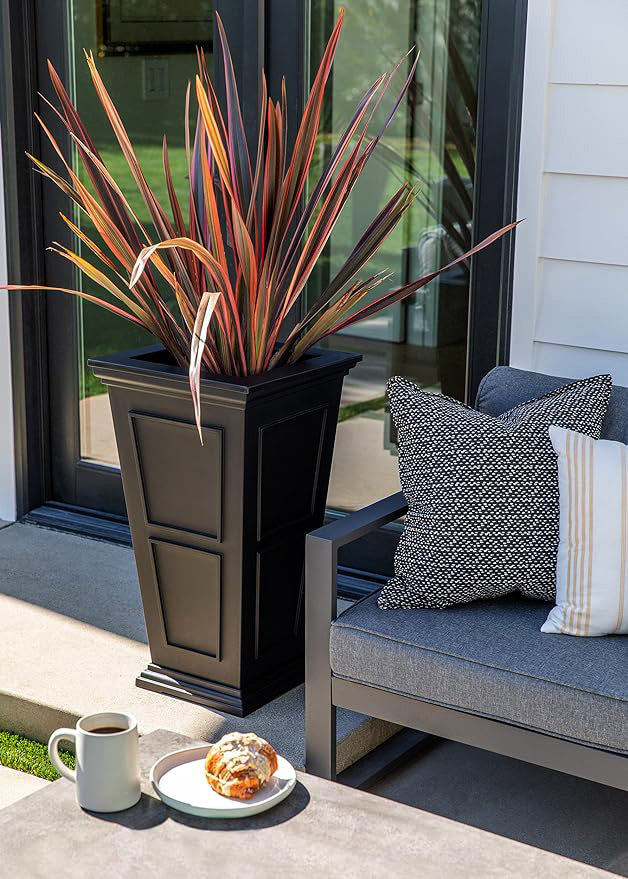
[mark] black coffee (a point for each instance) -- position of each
(107, 730)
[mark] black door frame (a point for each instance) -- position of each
(24, 251)
(500, 91)
(262, 32)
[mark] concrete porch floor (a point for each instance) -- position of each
(72, 639)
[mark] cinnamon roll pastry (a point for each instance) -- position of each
(239, 765)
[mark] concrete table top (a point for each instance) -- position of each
(322, 829)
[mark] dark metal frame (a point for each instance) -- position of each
(24, 249)
(324, 692)
(500, 91)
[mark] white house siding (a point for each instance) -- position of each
(7, 462)
(570, 308)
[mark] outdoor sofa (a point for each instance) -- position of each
(479, 673)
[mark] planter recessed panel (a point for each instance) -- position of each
(289, 464)
(279, 599)
(189, 584)
(171, 463)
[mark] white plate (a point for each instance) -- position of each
(179, 780)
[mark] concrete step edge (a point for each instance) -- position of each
(37, 720)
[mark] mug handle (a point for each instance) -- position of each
(53, 751)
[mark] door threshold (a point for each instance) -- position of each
(81, 521)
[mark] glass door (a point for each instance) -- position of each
(146, 55)
(145, 51)
(430, 144)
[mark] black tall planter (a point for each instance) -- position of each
(219, 529)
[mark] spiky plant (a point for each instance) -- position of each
(239, 260)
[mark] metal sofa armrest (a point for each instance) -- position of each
(321, 554)
(356, 525)
(321, 563)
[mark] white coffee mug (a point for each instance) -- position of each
(107, 769)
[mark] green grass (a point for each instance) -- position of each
(91, 386)
(16, 752)
(150, 158)
(352, 410)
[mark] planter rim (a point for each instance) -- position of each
(140, 363)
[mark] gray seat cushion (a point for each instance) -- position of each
(490, 658)
(504, 387)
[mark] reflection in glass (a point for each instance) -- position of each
(147, 84)
(431, 145)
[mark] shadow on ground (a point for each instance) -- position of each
(558, 813)
(89, 580)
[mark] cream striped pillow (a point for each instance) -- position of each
(591, 573)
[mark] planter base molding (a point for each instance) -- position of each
(230, 700)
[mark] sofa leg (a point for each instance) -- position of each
(320, 732)
(320, 610)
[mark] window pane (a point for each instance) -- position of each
(431, 145)
(145, 52)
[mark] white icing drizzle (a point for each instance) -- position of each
(240, 754)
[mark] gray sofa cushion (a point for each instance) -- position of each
(490, 658)
(504, 387)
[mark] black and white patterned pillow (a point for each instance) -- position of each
(482, 493)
